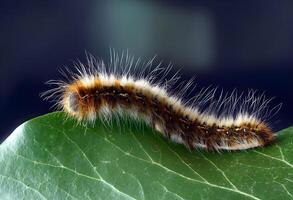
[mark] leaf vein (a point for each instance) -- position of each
(25, 185)
(268, 156)
(221, 171)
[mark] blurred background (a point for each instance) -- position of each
(243, 44)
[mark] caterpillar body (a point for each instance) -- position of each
(228, 122)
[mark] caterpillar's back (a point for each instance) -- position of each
(229, 122)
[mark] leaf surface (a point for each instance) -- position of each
(50, 157)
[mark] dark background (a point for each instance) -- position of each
(232, 44)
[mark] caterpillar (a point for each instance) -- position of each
(230, 121)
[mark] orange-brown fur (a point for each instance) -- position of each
(172, 121)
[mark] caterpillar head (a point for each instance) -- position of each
(79, 103)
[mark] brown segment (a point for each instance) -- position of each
(172, 121)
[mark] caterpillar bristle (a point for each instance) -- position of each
(224, 121)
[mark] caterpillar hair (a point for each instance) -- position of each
(210, 119)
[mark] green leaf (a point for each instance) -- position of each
(50, 157)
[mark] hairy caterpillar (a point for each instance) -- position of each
(228, 122)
